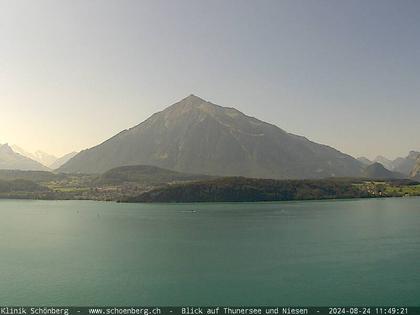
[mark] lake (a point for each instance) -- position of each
(349, 252)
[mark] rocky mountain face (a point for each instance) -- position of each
(9, 160)
(415, 173)
(196, 136)
(406, 165)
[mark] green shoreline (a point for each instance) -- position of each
(224, 189)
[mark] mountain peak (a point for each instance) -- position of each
(189, 104)
(413, 155)
(387, 163)
(198, 109)
(6, 148)
(193, 98)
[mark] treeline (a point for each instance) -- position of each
(235, 189)
(23, 189)
(20, 185)
(27, 189)
(35, 176)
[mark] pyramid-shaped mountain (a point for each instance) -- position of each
(196, 136)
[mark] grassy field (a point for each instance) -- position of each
(403, 190)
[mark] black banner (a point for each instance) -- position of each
(209, 310)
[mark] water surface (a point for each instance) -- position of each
(353, 252)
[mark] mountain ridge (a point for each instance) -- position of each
(42, 157)
(9, 160)
(402, 165)
(377, 170)
(62, 160)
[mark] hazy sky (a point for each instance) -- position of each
(344, 73)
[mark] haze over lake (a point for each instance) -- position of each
(349, 252)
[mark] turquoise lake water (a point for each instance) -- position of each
(351, 252)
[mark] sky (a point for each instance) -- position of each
(343, 73)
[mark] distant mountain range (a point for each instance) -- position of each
(13, 157)
(378, 171)
(388, 164)
(196, 136)
(403, 165)
(46, 159)
(62, 160)
(39, 156)
(9, 159)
